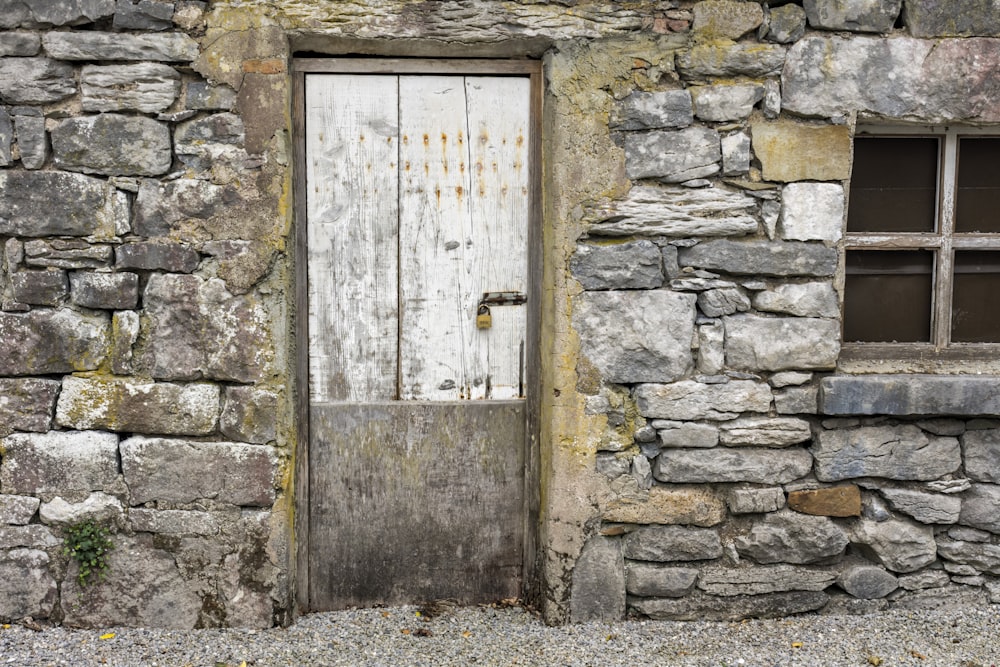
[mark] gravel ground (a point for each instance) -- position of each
(513, 636)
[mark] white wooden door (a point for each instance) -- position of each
(418, 202)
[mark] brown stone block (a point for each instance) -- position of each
(264, 66)
(677, 505)
(833, 501)
(790, 151)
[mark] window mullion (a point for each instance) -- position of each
(944, 273)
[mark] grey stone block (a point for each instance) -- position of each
(66, 254)
(56, 12)
(812, 212)
(735, 154)
(723, 464)
(202, 142)
(136, 406)
(636, 265)
(729, 60)
(789, 537)
(787, 24)
(143, 14)
(636, 336)
(924, 507)
(205, 97)
(249, 414)
(35, 80)
(896, 452)
(167, 47)
(58, 204)
(932, 80)
(146, 87)
(727, 19)
(161, 255)
(113, 145)
(981, 507)
(764, 431)
(944, 598)
(723, 301)
(656, 110)
(686, 400)
(31, 139)
(867, 582)
(598, 589)
(756, 343)
(980, 556)
(757, 580)
(714, 608)
(813, 299)
(673, 156)
(26, 587)
(853, 15)
(19, 44)
(173, 471)
(17, 510)
(27, 404)
(711, 348)
(675, 211)
(901, 546)
(797, 401)
(174, 522)
(650, 580)
(43, 342)
(39, 288)
(222, 337)
(981, 453)
(113, 291)
(59, 462)
(162, 208)
(957, 18)
(909, 395)
(789, 258)
(6, 137)
(144, 588)
(686, 434)
(724, 102)
(671, 543)
(32, 535)
(756, 501)
(98, 506)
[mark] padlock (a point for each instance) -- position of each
(484, 320)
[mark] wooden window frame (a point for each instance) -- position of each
(940, 351)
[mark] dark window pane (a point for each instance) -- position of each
(893, 184)
(887, 296)
(975, 305)
(977, 206)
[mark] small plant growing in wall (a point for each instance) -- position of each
(87, 543)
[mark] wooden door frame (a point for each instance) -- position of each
(531, 558)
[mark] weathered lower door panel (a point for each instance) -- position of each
(415, 501)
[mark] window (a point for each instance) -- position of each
(922, 265)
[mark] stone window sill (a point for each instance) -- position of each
(910, 395)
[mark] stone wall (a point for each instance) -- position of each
(702, 453)
(747, 474)
(143, 324)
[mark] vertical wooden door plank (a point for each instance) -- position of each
(499, 126)
(352, 186)
(434, 239)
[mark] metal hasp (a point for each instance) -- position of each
(503, 299)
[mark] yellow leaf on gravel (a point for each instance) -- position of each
(108, 635)
(466, 634)
(874, 660)
(796, 644)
